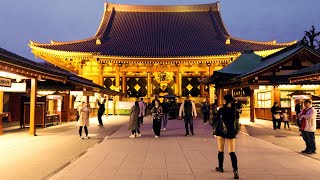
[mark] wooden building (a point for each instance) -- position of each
(145, 50)
(27, 89)
(266, 80)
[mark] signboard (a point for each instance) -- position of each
(5, 82)
(15, 87)
(125, 105)
(88, 93)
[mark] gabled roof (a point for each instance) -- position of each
(19, 61)
(242, 64)
(273, 60)
(247, 60)
(161, 31)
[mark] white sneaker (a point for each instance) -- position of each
(132, 136)
(161, 129)
(156, 137)
(164, 129)
(138, 135)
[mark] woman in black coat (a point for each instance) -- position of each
(228, 115)
(276, 114)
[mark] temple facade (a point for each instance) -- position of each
(146, 50)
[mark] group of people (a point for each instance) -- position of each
(159, 112)
(278, 116)
(306, 121)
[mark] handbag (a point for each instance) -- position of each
(219, 128)
(276, 116)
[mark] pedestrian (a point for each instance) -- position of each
(276, 117)
(165, 108)
(297, 109)
(153, 103)
(188, 111)
(205, 109)
(142, 107)
(214, 111)
(285, 118)
(238, 110)
(134, 125)
(308, 127)
(84, 119)
(157, 118)
(101, 111)
(228, 115)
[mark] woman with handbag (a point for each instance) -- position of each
(276, 116)
(226, 132)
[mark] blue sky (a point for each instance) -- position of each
(64, 20)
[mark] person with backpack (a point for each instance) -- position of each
(231, 128)
(188, 111)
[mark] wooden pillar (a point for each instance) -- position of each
(220, 96)
(212, 94)
(202, 86)
(33, 104)
(176, 87)
(149, 85)
(124, 84)
(180, 83)
(252, 105)
(114, 105)
(117, 78)
(1, 111)
(71, 102)
(107, 105)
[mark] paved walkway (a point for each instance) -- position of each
(36, 157)
(289, 139)
(176, 157)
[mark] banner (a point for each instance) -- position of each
(5, 82)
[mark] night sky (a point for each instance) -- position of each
(64, 20)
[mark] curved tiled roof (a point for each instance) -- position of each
(161, 31)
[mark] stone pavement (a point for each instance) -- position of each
(289, 139)
(36, 157)
(176, 157)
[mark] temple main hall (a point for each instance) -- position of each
(144, 50)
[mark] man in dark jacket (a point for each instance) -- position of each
(101, 111)
(188, 111)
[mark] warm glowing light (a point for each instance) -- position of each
(11, 75)
(287, 86)
(45, 92)
(310, 86)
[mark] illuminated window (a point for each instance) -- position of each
(264, 99)
(285, 98)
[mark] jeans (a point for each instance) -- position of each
(85, 130)
(156, 126)
(276, 123)
(206, 117)
(165, 120)
(188, 120)
(100, 118)
(140, 119)
(286, 123)
(310, 140)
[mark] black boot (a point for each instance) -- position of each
(234, 162)
(220, 159)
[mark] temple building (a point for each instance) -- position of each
(144, 50)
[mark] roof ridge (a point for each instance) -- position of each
(273, 42)
(52, 42)
(162, 8)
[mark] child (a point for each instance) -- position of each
(285, 117)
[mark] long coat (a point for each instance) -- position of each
(133, 121)
(84, 117)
